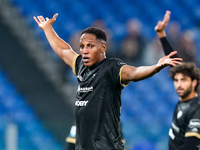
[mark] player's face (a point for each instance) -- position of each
(92, 49)
(184, 86)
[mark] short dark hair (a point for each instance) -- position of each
(188, 69)
(99, 33)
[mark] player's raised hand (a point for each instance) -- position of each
(168, 61)
(43, 23)
(159, 28)
(162, 24)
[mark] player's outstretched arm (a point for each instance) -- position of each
(130, 73)
(159, 28)
(60, 47)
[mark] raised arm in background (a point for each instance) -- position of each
(159, 28)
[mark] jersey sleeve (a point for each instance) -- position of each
(120, 79)
(117, 70)
(76, 62)
(193, 128)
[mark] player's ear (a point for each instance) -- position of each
(103, 47)
(194, 83)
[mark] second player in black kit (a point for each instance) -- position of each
(186, 123)
(184, 133)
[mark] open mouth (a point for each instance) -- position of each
(86, 59)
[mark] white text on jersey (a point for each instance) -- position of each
(81, 103)
(84, 89)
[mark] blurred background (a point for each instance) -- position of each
(37, 89)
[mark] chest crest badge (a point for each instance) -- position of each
(179, 114)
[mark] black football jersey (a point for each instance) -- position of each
(186, 123)
(98, 104)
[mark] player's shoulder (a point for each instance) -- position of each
(194, 104)
(115, 61)
(196, 101)
(78, 58)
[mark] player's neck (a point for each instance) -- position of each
(190, 96)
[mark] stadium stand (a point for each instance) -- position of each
(15, 110)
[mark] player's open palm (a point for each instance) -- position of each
(43, 23)
(167, 60)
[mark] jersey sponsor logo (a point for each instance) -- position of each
(121, 63)
(84, 89)
(81, 103)
(194, 123)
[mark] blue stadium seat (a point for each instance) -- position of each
(144, 145)
(14, 109)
